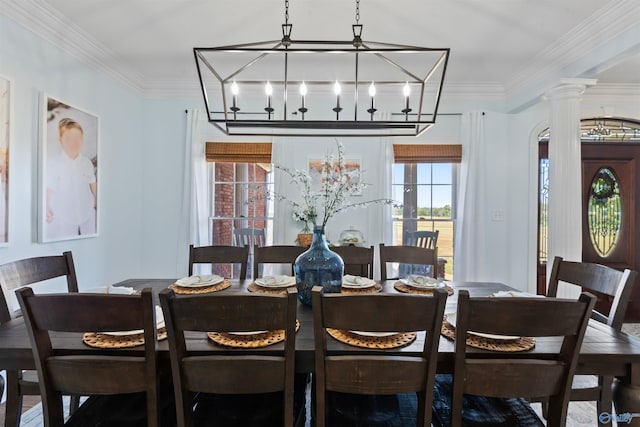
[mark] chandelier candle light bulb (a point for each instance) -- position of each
(303, 93)
(337, 89)
(234, 93)
(268, 89)
(372, 94)
(406, 92)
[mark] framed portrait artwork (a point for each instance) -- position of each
(5, 125)
(68, 172)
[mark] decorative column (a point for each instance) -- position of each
(565, 175)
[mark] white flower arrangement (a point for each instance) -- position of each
(337, 186)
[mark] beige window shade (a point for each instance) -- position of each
(427, 153)
(238, 152)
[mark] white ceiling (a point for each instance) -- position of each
(496, 45)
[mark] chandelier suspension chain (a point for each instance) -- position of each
(286, 11)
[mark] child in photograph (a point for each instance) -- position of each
(71, 198)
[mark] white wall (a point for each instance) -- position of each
(142, 219)
(36, 66)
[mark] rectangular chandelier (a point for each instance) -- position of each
(321, 88)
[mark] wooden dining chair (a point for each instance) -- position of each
(374, 373)
(279, 254)
(220, 255)
(14, 275)
(88, 371)
(616, 288)
(245, 372)
(525, 375)
(408, 256)
(358, 261)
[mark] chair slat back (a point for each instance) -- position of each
(599, 278)
(372, 372)
(91, 371)
(358, 261)
(30, 271)
(422, 239)
(220, 255)
(406, 255)
(248, 237)
(521, 376)
(246, 371)
(277, 254)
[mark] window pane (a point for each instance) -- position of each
(224, 200)
(398, 170)
(238, 194)
(442, 201)
(604, 212)
(224, 172)
(427, 193)
(424, 201)
(442, 173)
(424, 173)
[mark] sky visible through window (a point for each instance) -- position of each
(434, 181)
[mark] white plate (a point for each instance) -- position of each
(159, 324)
(514, 294)
(119, 290)
(434, 285)
(199, 281)
(276, 281)
(451, 318)
(374, 334)
(348, 282)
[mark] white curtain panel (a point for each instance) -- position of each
(195, 194)
(470, 230)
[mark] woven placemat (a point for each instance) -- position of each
(262, 339)
(98, 340)
(370, 290)
(520, 344)
(254, 287)
(399, 286)
(400, 339)
(203, 290)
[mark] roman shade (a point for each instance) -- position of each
(427, 153)
(238, 152)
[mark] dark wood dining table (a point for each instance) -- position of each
(603, 352)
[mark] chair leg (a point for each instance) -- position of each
(14, 400)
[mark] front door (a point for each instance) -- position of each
(610, 180)
(611, 213)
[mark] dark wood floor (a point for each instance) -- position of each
(27, 403)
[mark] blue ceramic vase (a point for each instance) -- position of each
(318, 266)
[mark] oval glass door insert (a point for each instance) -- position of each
(604, 211)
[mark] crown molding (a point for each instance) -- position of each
(617, 93)
(488, 91)
(608, 22)
(613, 19)
(46, 22)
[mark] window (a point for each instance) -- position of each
(240, 178)
(425, 181)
